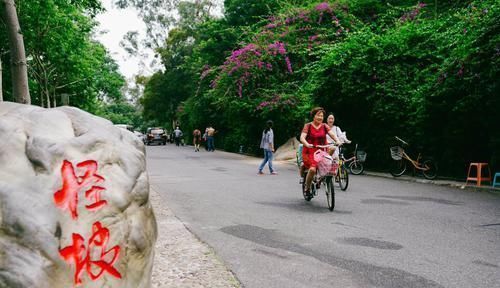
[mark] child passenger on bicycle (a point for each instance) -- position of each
(313, 134)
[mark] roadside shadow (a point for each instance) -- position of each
(303, 206)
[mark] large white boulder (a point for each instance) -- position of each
(288, 150)
(74, 201)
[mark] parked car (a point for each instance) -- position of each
(155, 135)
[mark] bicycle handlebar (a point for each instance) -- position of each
(327, 145)
(401, 140)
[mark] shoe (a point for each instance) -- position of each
(307, 194)
(260, 173)
(274, 173)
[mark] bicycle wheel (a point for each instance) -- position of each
(307, 197)
(356, 167)
(343, 178)
(330, 193)
(431, 172)
(398, 168)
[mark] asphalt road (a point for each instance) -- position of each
(382, 233)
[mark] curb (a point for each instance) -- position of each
(181, 259)
(446, 183)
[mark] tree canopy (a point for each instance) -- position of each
(63, 58)
(425, 72)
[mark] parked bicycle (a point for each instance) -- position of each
(342, 176)
(426, 165)
(324, 176)
(355, 162)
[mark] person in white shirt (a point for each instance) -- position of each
(178, 135)
(338, 132)
(267, 143)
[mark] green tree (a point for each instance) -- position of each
(425, 72)
(18, 57)
(63, 58)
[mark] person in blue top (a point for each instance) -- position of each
(267, 143)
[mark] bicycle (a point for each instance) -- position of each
(355, 166)
(342, 177)
(426, 165)
(320, 179)
(356, 161)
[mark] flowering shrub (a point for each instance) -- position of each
(276, 52)
(413, 13)
(426, 75)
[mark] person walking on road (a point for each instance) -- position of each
(267, 143)
(210, 138)
(177, 135)
(196, 139)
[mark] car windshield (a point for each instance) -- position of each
(157, 131)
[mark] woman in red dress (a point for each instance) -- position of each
(313, 134)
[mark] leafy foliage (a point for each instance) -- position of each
(62, 57)
(121, 112)
(425, 71)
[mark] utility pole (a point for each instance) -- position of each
(19, 67)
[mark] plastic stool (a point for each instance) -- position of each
(479, 169)
(495, 183)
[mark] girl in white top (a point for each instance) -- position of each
(340, 135)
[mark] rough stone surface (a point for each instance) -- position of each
(181, 260)
(287, 151)
(34, 143)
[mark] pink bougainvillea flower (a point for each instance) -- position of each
(288, 65)
(205, 71)
(324, 6)
(314, 37)
(270, 26)
(277, 47)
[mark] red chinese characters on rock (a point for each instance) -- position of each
(93, 257)
(67, 197)
(82, 255)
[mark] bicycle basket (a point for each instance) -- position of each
(361, 155)
(327, 167)
(397, 153)
(325, 163)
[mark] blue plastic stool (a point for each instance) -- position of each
(495, 183)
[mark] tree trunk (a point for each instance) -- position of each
(20, 87)
(47, 94)
(54, 97)
(1, 87)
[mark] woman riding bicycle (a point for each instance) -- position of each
(338, 132)
(313, 134)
